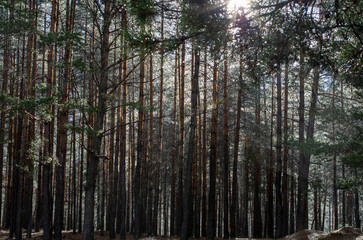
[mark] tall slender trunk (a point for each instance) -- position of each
(284, 187)
(301, 215)
(19, 168)
(356, 207)
(15, 173)
(179, 213)
(279, 207)
(92, 168)
(187, 193)
(234, 204)
(140, 153)
(150, 224)
(122, 180)
(292, 184)
(213, 159)
(204, 197)
(62, 128)
(82, 140)
(159, 152)
(112, 194)
(248, 158)
(343, 166)
(304, 166)
(48, 135)
(174, 151)
(257, 219)
(225, 152)
(335, 189)
(269, 222)
(4, 90)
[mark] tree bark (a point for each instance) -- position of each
(92, 168)
(62, 128)
(122, 180)
(225, 153)
(279, 207)
(48, 135)
(140, 153)
(284, 188)
(301, 215)
(204, 197)
(187, 193)
(257, 219)
(213, 159)
(179, 213)
(234, 204)
(174, 151)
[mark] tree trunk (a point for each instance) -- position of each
(174, 151)
(225, 153)
(356, 209)
(335, 189)
(187, 193)
(122, 180)
(62, 128)
(304, 166)
(19, 168)
(301, 216)
(213, 159)
(204, 197)
(4, 90)
(179, 213)
(279, 207)
(269, 222)
(284, 188)
(48, 135)
(234, 204)
(257, 220)
(92, 168)
(140, 153)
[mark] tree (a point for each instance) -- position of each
(62, 126)
(213, 158)
(187, 193)
(92, 168)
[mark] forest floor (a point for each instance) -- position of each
(345, 233)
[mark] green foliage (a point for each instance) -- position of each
(350, 183)
(78, 63)
(206, 21)
(13, 19)
(41, 105)
(137, 106)
(143, 10)
(60, 39)
(140, 40)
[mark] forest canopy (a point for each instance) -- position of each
(180, 118)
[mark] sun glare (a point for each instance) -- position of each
(235, 4)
